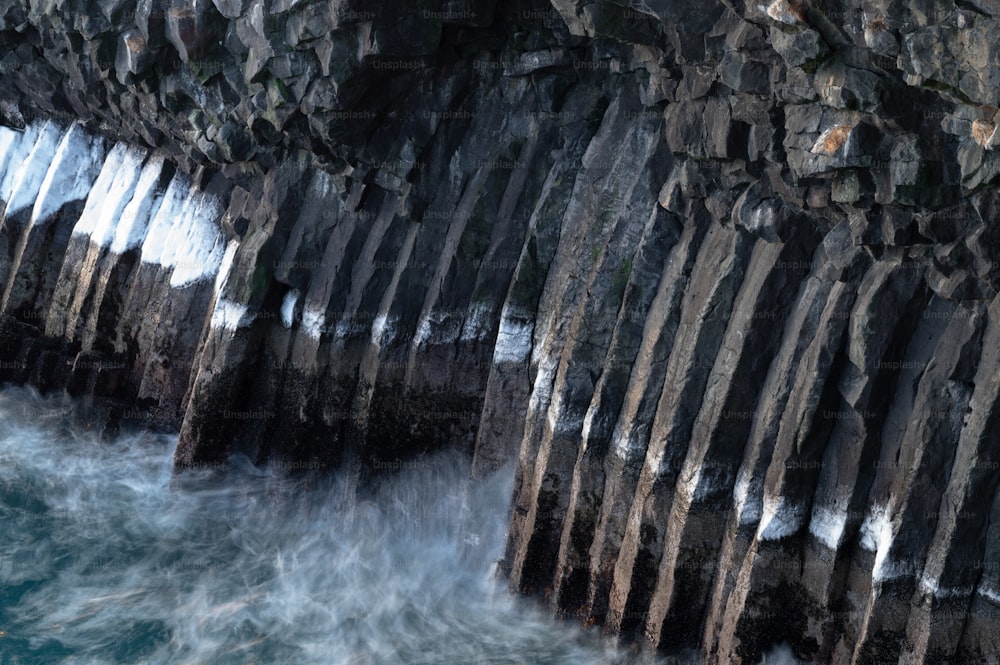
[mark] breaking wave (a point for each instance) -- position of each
(108, 559)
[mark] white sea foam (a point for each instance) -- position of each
(124, 562)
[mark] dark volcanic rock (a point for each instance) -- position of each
(720, 277)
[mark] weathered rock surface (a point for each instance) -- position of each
(721, 277)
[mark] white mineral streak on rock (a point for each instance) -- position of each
(876, 536)
(833, 139)
(76, 165)
(172, 206)
(513, 340)
(747, 498)
(383, 329)
(827, 526)
(225, 266)
(20, 147)
(140, 211)
(111, 193)
(477, 321)
(31, 172)
(184, 235)
(229, 315)
(198, 242)
(780, 519)
(313, 320)
(288, 308)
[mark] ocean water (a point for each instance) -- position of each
(107, 558)
(104, 558)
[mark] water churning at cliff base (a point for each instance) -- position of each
(107, 558)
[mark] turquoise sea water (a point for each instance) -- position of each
(104, 558)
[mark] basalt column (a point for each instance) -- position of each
(719, 279)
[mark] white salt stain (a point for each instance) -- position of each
(513, 343)
(877, 536)
(933, 587)
(588, 423)
(18, 151)
(383, 329)
(746, 498)
(288, 308)
(184, 236)
(199, 243)
(441, 327)
(542, 390)
(313, 320)
(171, 207)
(559, 418)
(229, 315)
(110, 194)
(31, 172)
(621, 443)
(423, 331)
(8, 137)
(477, 321)
(989, 593)
(780, 519)
(225, 267)
(19, 148)
(626, 444)
(346, 327)
(827, 525)
(77, 164)
(138, 214)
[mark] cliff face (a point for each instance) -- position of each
(721, 277)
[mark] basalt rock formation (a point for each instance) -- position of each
(721, 277)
